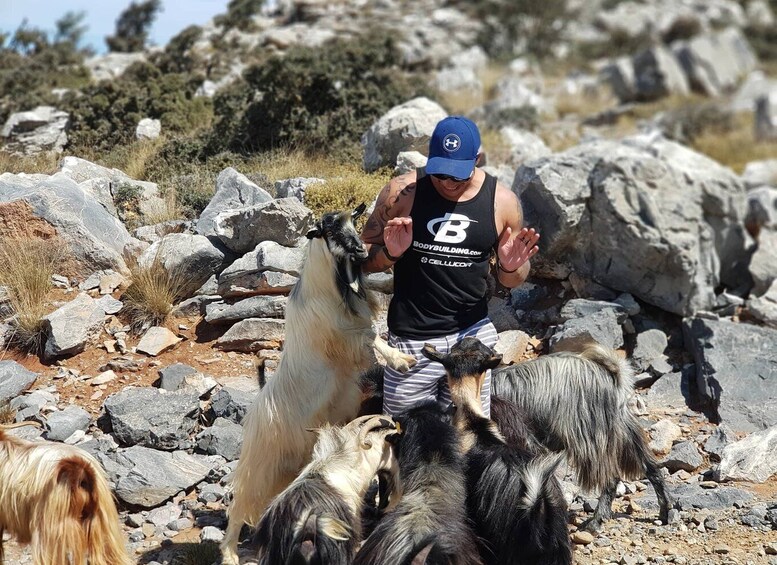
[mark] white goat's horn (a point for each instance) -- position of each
(375, 422)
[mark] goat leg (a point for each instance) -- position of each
(394, 357)
(603, 508)
(665, 502)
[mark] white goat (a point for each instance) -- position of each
(329, 340)
(317, 519)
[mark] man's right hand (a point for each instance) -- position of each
(398, 235)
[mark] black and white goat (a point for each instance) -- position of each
(317, 518)
(577, 402)
(429, 524)
(513, 498)
(328, 343)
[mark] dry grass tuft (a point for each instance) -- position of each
(737, 147)
(44, 163)
(26, 266)
(167, 210)
(153, 292)
(345, 185)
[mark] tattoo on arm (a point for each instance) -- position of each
(373, 229)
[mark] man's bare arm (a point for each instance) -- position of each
(516, 243)
(395, 200)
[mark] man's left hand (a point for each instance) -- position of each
(513, 252)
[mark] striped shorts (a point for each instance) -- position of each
(427, 380)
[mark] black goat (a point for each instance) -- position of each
(317, 518)
(513, 497)
(577, 402)
(429, 524)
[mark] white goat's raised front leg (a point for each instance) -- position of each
(394, 357)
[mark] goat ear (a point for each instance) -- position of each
(314, 233)
(493, 361)
(393, 439)
(430, 352)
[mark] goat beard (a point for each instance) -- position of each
(349, 274)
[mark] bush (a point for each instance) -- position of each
(318, 99)
(31, 65)
(107, 114)
(519, 26)
(239, 14)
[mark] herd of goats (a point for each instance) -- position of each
(433, 485)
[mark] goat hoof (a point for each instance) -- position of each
(592, 525)
(403, 363)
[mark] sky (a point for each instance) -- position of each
(101, 17)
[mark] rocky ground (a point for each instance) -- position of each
(733, 522)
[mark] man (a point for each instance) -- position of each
(438, 232)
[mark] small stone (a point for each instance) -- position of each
(135, 520)
(708, 484)
(103, 378)
(212, 534)
(582, 537)
(673, 517)
(96, 395)
(721, 549)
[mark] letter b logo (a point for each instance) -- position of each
(452, 228)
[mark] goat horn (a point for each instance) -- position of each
(375, 422)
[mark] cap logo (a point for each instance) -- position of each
(451, 143)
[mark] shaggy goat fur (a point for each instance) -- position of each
(317, 519)
(514, 500)
(55, 498)
(577, 402)
(329, 340)
(429, 524)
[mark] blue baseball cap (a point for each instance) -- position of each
(453, 149)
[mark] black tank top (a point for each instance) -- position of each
(440, 281)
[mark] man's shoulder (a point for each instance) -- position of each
(402, 182)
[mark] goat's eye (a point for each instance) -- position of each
(328, 233)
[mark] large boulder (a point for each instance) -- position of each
(150, 477)
(154, 418)
(233, 191)
(95, 237)
(644, 215)
(284, 221)
(191, 259)
(271, 268)
(715, 63)
(40, 129)
(14, 379)
(70, 328)
(407, 127)
(106, 184)
(112, 65)
(735, 370)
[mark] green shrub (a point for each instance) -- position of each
(177, 58)
(239, 13)
(319, 99)
(31, 65)
(527, 26)
(107, 113)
